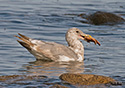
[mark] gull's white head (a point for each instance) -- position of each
(76, 34)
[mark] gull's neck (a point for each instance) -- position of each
(77, 46)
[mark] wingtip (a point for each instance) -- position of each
(19, 34)
(18, 41)
(15, 35)
(23, 36)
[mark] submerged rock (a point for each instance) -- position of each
(20, 77)
(87, 79)
(70, 80)
(100, 18)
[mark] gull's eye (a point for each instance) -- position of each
(77, 31)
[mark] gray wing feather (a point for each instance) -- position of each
(54, 50)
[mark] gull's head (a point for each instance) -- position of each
(75, 33)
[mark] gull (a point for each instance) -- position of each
(51, 51)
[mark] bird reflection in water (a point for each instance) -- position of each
(53, 68)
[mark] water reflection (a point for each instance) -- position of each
(53, 68)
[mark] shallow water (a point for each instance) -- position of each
(46, 20)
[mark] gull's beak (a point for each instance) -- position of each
(89, 39)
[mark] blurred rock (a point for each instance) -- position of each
(14, 78)
(100, 18)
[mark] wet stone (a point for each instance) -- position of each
(21, 78)
(102, 18)
(87, 79)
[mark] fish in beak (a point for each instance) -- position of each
(89, 39)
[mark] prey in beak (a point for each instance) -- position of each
(89, 39)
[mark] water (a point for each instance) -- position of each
(46, 20)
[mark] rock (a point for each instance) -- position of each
(100, 18)
(87, 79)
(21, 77)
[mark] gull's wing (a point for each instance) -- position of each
(56, 51)
(46, 50)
